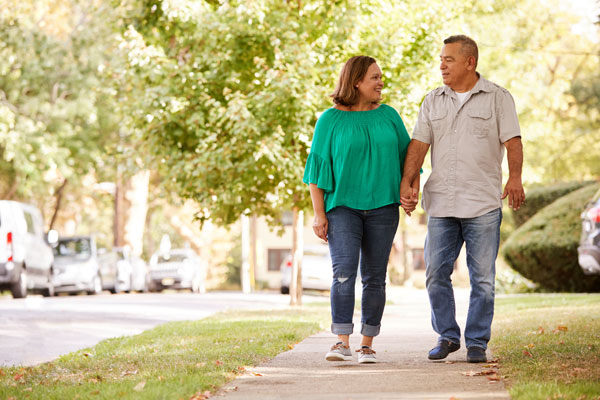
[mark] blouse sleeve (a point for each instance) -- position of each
(318, 168)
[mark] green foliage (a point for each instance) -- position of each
(545, 55)
(231, 93)
(539, 197)
(544, 249)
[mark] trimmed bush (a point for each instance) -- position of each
(539, 197)
(544, 249)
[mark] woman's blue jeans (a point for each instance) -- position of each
(365, 235)
(445, 237)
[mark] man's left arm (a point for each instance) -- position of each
(514, 187)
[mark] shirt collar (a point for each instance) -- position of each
(482, 85)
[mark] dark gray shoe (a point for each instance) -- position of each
(476, 354)
(442, 350)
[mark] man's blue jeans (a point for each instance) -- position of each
(445, 237)
(366, 235)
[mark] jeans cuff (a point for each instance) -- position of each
(342, 329)
(370, 330)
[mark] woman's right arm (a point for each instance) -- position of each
(318, 200)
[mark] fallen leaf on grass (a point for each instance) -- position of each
(540, 330)
(560, 328)
(28, 389)
(291, 347)
(95, 392)
(2, 372)
(530, 346)
(561, 342)
(527, 353)
(18, 377)
(217, 362)
(201, 396)
(140, 386)
(160, 378)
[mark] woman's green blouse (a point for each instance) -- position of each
(357, 157)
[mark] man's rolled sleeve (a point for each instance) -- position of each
(508, 122)
(422, 131)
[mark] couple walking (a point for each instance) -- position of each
(363, 164)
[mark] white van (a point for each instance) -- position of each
(26, 258)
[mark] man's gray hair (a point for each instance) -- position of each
(468, 45)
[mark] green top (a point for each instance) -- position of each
(357, 157)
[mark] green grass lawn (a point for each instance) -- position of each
(178, 360)
(548, 346)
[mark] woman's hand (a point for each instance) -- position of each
(320, 225)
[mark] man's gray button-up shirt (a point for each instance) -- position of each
(466, 148)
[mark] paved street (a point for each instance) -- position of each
(38, 329)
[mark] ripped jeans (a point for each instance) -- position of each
(365, 235)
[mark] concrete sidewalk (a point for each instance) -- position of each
(403, 371)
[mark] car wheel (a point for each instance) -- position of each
(49, 291)
(96, 286)
(285, 290)
(19, 288)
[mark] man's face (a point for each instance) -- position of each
(369, 88)
(453, 64)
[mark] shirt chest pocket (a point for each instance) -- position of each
(481, 121)
(438, 121)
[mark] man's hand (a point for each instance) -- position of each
(515, 193)
(409, 198)
(320, 225)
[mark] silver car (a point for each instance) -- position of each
(176, 269)
(76, 266)
(317, 273)
(26, 260)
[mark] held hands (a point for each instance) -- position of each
(409, 198)
(516, 195)
(320, 226)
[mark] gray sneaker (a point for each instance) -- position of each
(339, 352)
(366, 355)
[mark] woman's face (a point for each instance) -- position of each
(369, 88)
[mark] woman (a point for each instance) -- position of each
(354, 172)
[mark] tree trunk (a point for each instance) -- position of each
(245, 270)
(119, 213)
(131, 206)
(136, 199)
(253, 256)
(59, 195)
(297, 251)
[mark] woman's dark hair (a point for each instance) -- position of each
(355, 69)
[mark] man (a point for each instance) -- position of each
(467, 122)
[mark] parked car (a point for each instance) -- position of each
(176, 269)
(77, 267)
(133, 271)
(115, 271)
(589, 245)
(316, 269)
(26, 260)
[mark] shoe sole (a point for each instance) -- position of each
(367, 361)
(337, 357)
(441, 358)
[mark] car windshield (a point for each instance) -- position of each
(172, 258)
(79, 248)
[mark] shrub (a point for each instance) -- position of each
(539, 197)
(544, 249)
